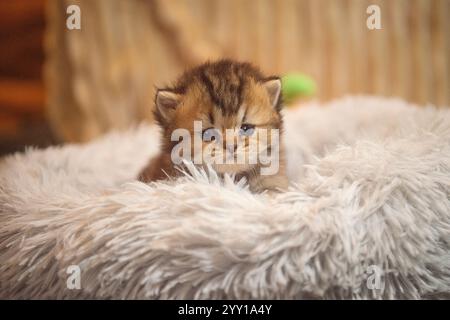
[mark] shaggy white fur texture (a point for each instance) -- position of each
(370, 187)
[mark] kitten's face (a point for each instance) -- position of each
(228, 112)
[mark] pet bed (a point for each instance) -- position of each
(367, 215)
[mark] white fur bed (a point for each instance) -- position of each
(370, 187)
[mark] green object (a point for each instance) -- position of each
(297, 85)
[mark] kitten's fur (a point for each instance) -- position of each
(223, 95)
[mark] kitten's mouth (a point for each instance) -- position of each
(230, 157)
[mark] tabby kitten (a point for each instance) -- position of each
(223, 95)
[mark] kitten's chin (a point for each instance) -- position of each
(231, 168)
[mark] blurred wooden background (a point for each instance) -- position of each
(22, 93)
(103, 76)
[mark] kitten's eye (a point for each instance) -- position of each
(247, 130)
(210, 134)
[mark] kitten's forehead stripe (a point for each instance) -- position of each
(211, 90)
(211, 117)
(224, 82)
(239, 92)
(224, 85)
(244, 118)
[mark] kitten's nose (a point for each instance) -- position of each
(231, 148)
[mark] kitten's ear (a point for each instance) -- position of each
(273, 87)
(166, 102)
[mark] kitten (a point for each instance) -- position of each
(223, 95)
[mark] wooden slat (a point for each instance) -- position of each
(22, 97)
(440, 51)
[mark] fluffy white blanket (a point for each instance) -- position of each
(367, 215)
